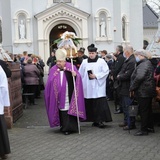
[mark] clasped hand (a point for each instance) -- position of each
(74, 73)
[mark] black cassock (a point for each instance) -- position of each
(4, 141)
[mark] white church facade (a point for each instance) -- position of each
(33, 25)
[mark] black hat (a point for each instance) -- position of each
(81, 50)
(92, 48)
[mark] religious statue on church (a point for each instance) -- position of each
(22, 30)
(102, 28)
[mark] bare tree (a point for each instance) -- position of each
(155, 4)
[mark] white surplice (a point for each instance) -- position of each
(94, 88)
(4, 93)
(66, 107)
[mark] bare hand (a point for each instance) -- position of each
(74, 73)
(111, 77)
(92, 76)
(131, 94)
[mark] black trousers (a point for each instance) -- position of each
(68, 123)
(145, 108)
(4, 140)
(30, 89)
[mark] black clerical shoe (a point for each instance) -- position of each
(94, 124)
(151, 130)
(101, 125)
(141, 133)
(66, 133)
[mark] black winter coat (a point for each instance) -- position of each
(124, 75)
(117, 65)
(142, 80)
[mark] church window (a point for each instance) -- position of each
(0, 31)
(58, 1)
(124, 29)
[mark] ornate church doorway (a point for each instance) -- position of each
(56, 33)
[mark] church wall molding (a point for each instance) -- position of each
(50, 3)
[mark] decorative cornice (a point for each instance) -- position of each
(62, 12)
(62, 9)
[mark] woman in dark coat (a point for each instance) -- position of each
(31, 78)
(143, 86)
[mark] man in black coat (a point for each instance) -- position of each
(124, 77)
(116, 67)
(52, 59)
(143, 87)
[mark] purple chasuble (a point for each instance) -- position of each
(55, 95)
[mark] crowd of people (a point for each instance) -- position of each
(81, 92)
(125, 76)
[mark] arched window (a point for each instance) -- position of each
(58, 1)
(0, 31)
(123, 29)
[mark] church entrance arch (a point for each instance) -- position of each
(55, 16)
(56, 33)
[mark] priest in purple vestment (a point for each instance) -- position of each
(60, 95)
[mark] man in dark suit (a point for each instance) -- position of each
(124, 76)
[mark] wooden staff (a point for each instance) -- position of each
(75, 91)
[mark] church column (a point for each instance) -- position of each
(16, 29)
(85, 33)
(46, 54)
(97, 26)
(158, 21)
(127, 31)
(28, 29)
(109, 28)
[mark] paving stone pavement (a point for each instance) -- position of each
(32, 139)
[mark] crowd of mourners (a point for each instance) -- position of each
(130, 77)
(126, 77)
